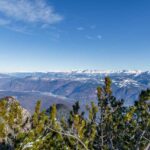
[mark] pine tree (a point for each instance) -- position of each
(107, 125)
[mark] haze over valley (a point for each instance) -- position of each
(68, 87)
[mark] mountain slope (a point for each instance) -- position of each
(67, 87)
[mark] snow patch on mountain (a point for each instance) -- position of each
(128, 82)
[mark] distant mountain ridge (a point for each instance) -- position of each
(67, 87)
(87, 71)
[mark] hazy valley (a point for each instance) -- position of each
(68, 87)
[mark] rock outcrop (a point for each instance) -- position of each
(13, 120)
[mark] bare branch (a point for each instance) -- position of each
(70, 135)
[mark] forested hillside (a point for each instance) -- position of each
(109, 125)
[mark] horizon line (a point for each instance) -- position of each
(78, 71)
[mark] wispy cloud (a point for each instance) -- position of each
(99, 37)
(80, 28)
(20, 29)
(89, 37)
(28, 11)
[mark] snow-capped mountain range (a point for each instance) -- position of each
(105, 71)
(67, 87)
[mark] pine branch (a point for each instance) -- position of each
(70, 135)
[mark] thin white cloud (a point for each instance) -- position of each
(99, 37)
(80, 28)
(89, 37)
(29, 11)
(19, 29)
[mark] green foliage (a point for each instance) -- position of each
(39, 120)
(2, 130)
(37, 107)
(10, 122)
(122, 127)
(107, 125)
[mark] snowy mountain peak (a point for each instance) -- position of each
(106, 71)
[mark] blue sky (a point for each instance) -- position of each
(52, 35)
